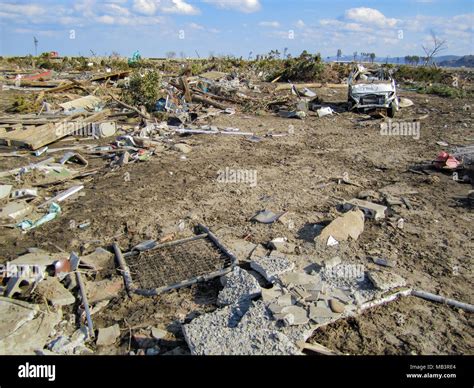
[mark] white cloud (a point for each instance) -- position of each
(246, 6)
(272, 24)
(145, 7)
(150, 7)
(195, 26)
(370, 16)
(12, 11)
(300, 23)
(180, 7)
(117, 10)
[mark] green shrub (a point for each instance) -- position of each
(144, 89)
(443, 91)
(420, 74)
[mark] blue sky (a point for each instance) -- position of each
(154, 27)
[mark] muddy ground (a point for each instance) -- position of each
(148, 200)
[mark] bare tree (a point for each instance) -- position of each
(170, 55)
(436, 46)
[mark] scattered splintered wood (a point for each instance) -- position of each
(37, 137)
(318, 348)
(310, 85)
(144, 114)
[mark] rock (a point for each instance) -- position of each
(351, 224)
(184, 148)
(158, 333)
(54, 292)
(239, 286)
(336, 306)
(108, 335)
(23, 328)
(272, 266)
(104, 289)
(384, 280)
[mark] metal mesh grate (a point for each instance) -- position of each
(174, 264)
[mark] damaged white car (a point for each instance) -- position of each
(372, 90)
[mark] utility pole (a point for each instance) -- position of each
(36, 45)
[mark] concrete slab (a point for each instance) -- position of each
(384, 280)
(239, 286)
(54, 292)
(271, 266)
(24, 329)
(255, 334)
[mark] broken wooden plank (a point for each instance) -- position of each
(42, 135)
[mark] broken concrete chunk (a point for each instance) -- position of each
(269, 294)
(241, 248)
(100, 259)
(321, 312)
(23, 328)
(384, 280)
(103, 290)
(239, 286)
(370, 209)
(14, 314)
(108, 335)
(271, 266)
(54, 292)
(254, 334)
(351, 224)
(294, 315)
(282, 245)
